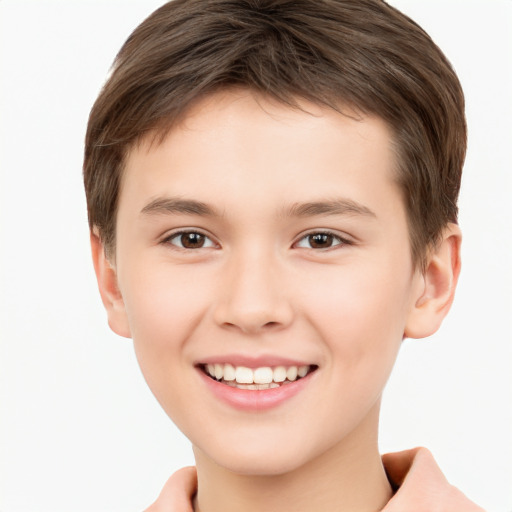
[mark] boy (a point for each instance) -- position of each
(272, 192)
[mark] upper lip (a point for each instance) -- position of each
(252, 361)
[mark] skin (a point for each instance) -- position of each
(422, 486)
(259, 287)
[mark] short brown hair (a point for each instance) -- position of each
(358, 53)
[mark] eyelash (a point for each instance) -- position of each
(180, 234)
(340, 241)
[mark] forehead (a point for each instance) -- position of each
(235, 142)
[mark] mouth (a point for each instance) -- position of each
(261, 378)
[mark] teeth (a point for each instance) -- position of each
(219, 371)
(303, 371)
(291, 373)
(263, 375)
(244, 375)
(229, 372)
(279, 374)
(259, 378)
(271, 385)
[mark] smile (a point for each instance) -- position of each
(255, 383)
(262, 378)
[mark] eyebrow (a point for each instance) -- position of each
(176, 205)
(340, 206)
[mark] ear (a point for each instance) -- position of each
(436, 286)
(110, 295)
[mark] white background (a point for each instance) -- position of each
(79, 430)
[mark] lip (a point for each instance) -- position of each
(254, 400)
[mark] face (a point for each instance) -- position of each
(260, 243)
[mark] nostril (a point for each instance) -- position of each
(251, 317)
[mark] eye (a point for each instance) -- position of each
(189, 240)
(321, 240)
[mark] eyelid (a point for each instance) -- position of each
(166, 239)
(343, 239)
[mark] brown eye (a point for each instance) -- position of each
(190, 240)
(320, 240)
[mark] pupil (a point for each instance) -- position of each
(320, 240)
(192, 240)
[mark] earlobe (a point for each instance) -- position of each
(109, 290)
(437, 286)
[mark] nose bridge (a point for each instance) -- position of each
(253, 296)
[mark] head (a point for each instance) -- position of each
(274, 183)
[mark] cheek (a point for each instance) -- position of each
(360, 323)
(361, 317)
(164, 307)
(162, 300)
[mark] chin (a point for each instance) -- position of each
(257, 459)
(262, 466)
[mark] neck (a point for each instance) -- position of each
(347, 477)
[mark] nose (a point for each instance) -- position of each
(253, 296)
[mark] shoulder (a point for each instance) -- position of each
(178, 492)
(421, 484)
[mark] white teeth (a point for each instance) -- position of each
(279, 374)
(303, 371)
(263, 375)
(219, 371)
(244, 375)
(291, 373)
(229, 372)
(272, 385)
(261, 378)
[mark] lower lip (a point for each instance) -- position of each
(252, 399)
